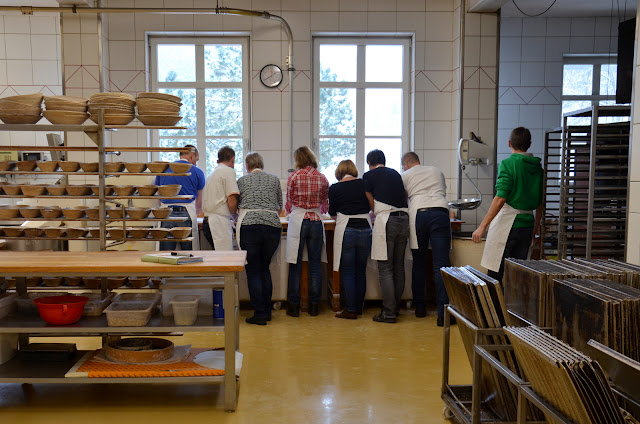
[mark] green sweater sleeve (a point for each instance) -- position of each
(504, 184)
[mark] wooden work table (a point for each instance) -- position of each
(119, 263)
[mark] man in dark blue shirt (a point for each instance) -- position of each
(188, 209)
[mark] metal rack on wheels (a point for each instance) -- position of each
(551, 194)
(463, 402)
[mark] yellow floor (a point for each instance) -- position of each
(304, 370)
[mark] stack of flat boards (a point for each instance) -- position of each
(479, 299)
(564, 377)
(603, 310)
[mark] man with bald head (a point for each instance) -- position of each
(428, 224)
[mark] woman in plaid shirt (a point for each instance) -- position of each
(307, 197)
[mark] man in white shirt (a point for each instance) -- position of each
(428, 223)
(220, 199)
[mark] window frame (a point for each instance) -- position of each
(200, 85)
(361, 85)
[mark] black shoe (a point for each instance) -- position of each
(268, 318)
(359, 312)
(313, 309)
(440, 322)
(421, 311)
(256, 321)
(382, 318)
(293, 309)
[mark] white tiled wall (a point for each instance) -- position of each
(530, 85)
(633, 222)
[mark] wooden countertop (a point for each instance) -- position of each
(22, 264)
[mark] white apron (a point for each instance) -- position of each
(497, 237)
(221, 232)
(416, 202)
(241, 216)
(293, 235)
(191, 210)
(338, 235)
(379, 236)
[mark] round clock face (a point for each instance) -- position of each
(271, 76)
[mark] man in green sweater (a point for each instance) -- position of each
(510, 218)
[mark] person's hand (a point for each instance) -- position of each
(477, 235)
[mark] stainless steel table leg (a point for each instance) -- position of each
(230, 342)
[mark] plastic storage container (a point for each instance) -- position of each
(25, 304)
(96, 304)
(128, 314)
(185, 309)
(7, 304)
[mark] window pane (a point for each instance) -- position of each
(392, 148)
(176, 62)
(384, 64)
(223, 62)
(383, 111)
(187, 110)
(608, 79)
(577, 80)
(338, 63)
(337, 111)
(172, 142)
(571, 105)
(213, 145)
(610, 119)
(223, 108)
(332, 152)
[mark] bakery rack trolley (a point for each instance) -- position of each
(463, 403)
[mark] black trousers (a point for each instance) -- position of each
(517, 247)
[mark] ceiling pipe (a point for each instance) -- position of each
(29, 10)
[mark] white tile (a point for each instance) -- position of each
(266, 136)
(510, 27)
(487, 104)
(72, 47)
(44, 24)
(556, 47)
(294, 4)
(266, 106)
(19, 72)
(634, 197)
(17, 24)
(534, 27)
(553, 74)
(533, 49)
(411, 5)
(437, 135)
(122, 26)
(510, 49)
(90, 49)
(418, 106)
(272, 162)
(323, 5)
(46, 72)
(472, 25)
(269, 5)
(205, 22)
(120, 55)
(302, 52)
(551, 116)
(324, 21)
(634, 173)
(472, 51)
(488, 25)
(508, 116)
(471, 103)
(488, 51)
(299, 23)
(265, 52)
(531, 116)
(558, 27)
(509, 74)
(148, 22)
(3, 72)
(438, 106)
(380, 22)
(2, 24)
(70, 23)
(18, 46)
(440, 5)
(604, 27)
(438, 56)
(412, 22)
(353, 5)
(418, 135)
(383, 5)
(185, 22)
(605, 45)
(633, 228)
(419, 56)
(583, 27)
(581, 45)
(440, 159)
(439, 26)
(532, 74)
(44, 47)
(301, 131)
(302, 107)
(88, 23)
(352, 21)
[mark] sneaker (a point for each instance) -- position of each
(382, 318)
(256, 321)
(346, 315)
(421, 311)
(293, 309)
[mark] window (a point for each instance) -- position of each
(211, 77)
(586, 81)
(361, 100)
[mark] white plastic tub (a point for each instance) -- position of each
(185, 309)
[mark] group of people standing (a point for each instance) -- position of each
(407, 208)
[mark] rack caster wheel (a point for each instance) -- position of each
(277, 306)
(448, 414)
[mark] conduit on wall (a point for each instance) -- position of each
(29, 10)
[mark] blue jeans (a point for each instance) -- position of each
(391, 271)
(260, 242)
(356, 248)
(178, 212)
(311, 235)
(432, 226)
(517, 247)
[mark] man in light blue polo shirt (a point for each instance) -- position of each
(192, 185)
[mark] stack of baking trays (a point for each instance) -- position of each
(565, 378)
(479, 299)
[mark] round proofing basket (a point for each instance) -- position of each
(161, 350)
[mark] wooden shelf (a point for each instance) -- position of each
(82, 128)
(82, 173)
(91, 196)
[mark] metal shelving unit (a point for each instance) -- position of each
(551, 194)
(593, 185)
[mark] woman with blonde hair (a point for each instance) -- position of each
(307, 198)
(258, 231)
(349, 206)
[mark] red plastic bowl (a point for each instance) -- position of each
(61, 310)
